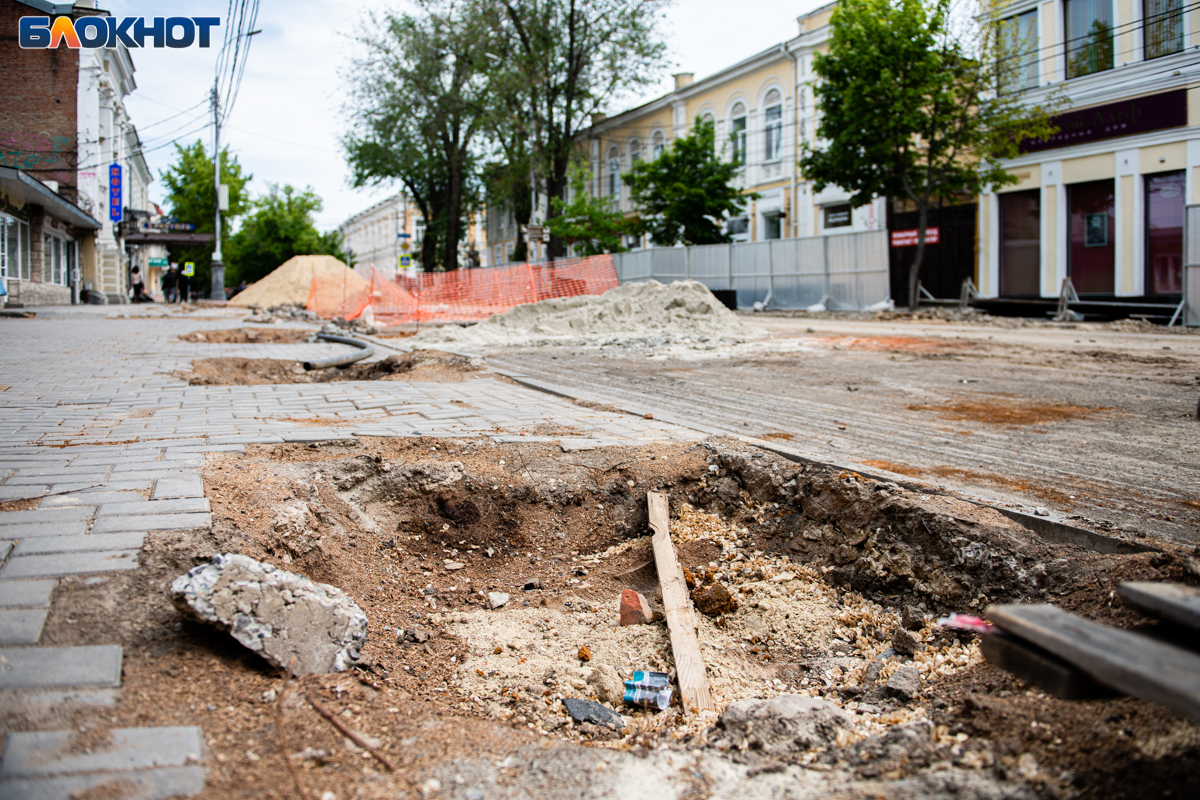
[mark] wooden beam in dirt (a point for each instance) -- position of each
(1173, 602)
(1134, 664)
(677, 607)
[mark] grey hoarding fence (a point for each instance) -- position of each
(1190, 306)
(847, 271)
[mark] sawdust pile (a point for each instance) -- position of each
(291, 281)
(634, 311)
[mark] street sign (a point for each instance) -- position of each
(909, 238)
(189, 268)
(405, 261)
(537, 233)
(114, 192)
(403, 235)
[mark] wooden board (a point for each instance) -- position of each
(1170, 601)
(1129, 662)
(1033, 665)
(681, 617)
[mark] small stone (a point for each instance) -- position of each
(451, 566)
(415, 635)
(787, 725)
(871, 673)
(533, 585)
(607, 684)
(634, 609)
(583, 711)
(904, 684)
(912, 618)
(1041, 512)
(905, 643)
(713, 600)
(496, 599)
(585, 654)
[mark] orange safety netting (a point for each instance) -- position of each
(461, 295)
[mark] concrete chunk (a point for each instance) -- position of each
(46, 667)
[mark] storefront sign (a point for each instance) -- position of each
(1139, 115)
(838, 216)
(158, 262)
(167, 225)
(909, 238)
(114, 192)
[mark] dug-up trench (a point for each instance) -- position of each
(833, 577)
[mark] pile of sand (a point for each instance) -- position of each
(291, 281)
(634, 311)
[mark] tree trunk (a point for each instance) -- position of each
(453, 217)
(914, 272)
(556, 186)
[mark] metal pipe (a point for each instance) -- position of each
(365, 350)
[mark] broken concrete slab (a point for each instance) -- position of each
(297, 624)
(45, 667)
(787, 725)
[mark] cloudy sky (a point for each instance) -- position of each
(288, 117)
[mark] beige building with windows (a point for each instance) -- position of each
(377, 237)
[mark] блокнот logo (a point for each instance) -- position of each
(38, 33)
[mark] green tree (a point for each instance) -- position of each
(192, 198)
(280, 227)
(588, 221)
(687, 192)
(910, 107)
(560, 61)
(417, 104)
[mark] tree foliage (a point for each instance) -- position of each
(192, 197)
(280, 227)
(588, 221)
(687, 192)
(417, 103)
(909, 107)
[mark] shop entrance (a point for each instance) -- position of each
(1020, 243)
(1164, 233)
(1092, 250)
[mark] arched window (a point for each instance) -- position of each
(614, 172)
(635, 152)
(657, 144)
(773, 122)
(737, 133)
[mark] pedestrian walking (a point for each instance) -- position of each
(139, 287)
(183, 282)
(170, 280)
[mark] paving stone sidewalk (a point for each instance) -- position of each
(98, 430)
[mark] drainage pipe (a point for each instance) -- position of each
(365, 350)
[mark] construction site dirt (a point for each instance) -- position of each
(1095, 422)
(454, 694)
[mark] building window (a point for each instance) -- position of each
(1164, 27)
(1089, 37)
(658, 144)
(1091, 249)
(14, 249)
(773, 121)
(773, 225)
(838, 216)
(1020, 243)
(1164, 232)
(614, 174)
(738, 226)
(737, 133)
(1017, 69)
(635, 152)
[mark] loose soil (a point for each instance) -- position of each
(894, 344)
(1004, 411)
(820, 562)
(248, 336)
(421, 365)
(1031, 488)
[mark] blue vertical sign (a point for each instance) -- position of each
(114, 192)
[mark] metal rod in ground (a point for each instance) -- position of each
(365, 349)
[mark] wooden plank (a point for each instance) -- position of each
(1033, 665)
(681, 618)
(1170, 601)
(1127, 661)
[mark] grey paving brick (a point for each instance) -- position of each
(150, 784)
(24, 492)
(21, 625)
(21, 479)
(6, 546)
(50, 667)
(148, 466)
(57, 564)
(25, 530)
(129, 540)
(54, 469)
(151, 522)
(106, 486)
(88, 499)
(173, 488)
(34, 594)
(146, 477)
(8, 518)
(183, 505)
(44, 753)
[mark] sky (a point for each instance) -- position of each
(288, 118)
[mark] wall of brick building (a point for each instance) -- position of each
(38, 111)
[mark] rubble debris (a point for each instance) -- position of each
(783, 727)
(606, 683)
(585, 653)
(912, 618)
(533, 585)
(298, 625)
(904, 643)
(713, 600)
(904, 684)
(634, 609)
(648, 690)
(496, 600)
(584, 710)
(416, 635)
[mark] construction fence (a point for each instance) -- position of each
(459, 295)
(844, 271)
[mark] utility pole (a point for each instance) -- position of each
(218, 264)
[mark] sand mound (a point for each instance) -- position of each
(290, 282)
(648, 310)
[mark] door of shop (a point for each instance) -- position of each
(1091, 248)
